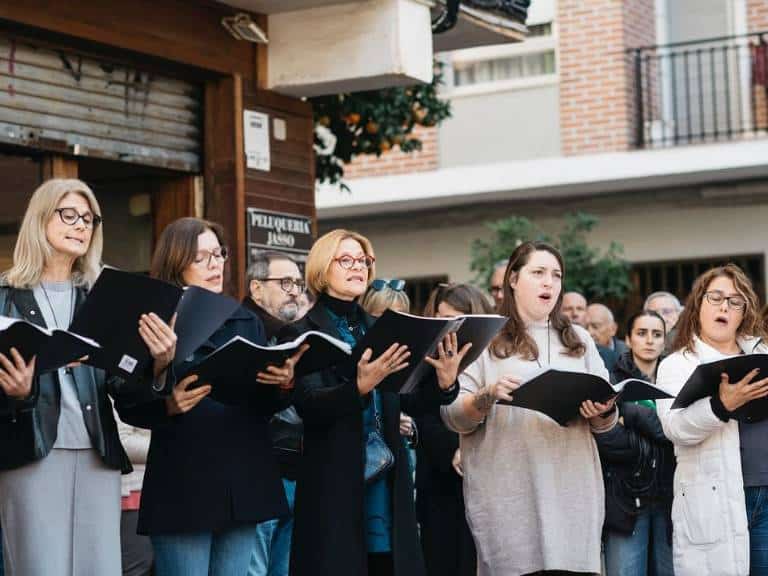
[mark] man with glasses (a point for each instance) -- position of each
(666, 305)
(276, 286)
(496, 287)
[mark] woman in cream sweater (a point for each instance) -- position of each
(533, 489)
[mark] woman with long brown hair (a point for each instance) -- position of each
(445, 536)
(533, 489)
(210, 475)
(719, 513)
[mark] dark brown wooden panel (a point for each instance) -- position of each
(185, 31)
(225, 172)
(289, 186)
(172, 199)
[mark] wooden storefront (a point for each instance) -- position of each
(145, 100)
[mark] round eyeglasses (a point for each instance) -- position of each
(716, 298)
(288, 284)
(70, 217)
(348, 262)
(220, 254)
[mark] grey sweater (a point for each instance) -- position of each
(533, 489)
(56, 303)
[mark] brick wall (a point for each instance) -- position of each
(596, 82)
(757, 15)
(757, 21)
(396, 162)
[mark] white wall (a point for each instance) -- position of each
(502, 126)
(649, 230)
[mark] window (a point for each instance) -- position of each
(533, 58)
(677, 277)
(512, 68)
(418, 290)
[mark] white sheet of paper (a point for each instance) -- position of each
(256, 135)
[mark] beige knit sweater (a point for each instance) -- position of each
(533, 489)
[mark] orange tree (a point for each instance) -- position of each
(372, 122)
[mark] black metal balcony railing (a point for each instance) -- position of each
(701, 91)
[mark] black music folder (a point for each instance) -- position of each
(110, 316)
(54, 348)
(239, 360)
(705, 381)
(422, 335)
(559, 393)
(199, 315)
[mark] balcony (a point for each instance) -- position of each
(701, 91)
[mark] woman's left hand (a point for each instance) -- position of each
(592, 410)
(159, 338)
(282, 376)
(448, 359)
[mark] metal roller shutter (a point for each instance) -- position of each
(60, 100)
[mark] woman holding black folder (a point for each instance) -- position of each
(449, 549)
(638, 464)
(720, 506)
(346, 526)
(210, 476)
(533, 489)
(60, 454)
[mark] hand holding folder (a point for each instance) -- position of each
(559, 394)
(242, 361)
(54, 348)
(422, 335)
(119, 300)
(705, 381)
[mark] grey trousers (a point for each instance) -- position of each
(61, 516)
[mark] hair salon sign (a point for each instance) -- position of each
(279, 231)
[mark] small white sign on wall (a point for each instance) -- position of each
(256, 135)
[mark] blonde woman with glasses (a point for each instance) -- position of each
(60, 454)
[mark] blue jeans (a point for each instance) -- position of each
(272, 549)
(204, 553)
(644, 552)
(757, 517)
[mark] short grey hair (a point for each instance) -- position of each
(500, 264)
(259, 268)
(662, 294)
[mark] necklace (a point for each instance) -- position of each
(53, 311)
(549, 357)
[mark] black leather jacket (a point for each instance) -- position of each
(638, 460)
(28, 428)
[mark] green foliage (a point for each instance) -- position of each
(372, 122)
(596, 275)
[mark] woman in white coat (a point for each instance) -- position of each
(720, 507)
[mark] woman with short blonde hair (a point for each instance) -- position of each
(322, 254)
(385, 294)
(345, 523)
(60, 454)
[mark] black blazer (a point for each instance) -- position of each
(329, 518)
(211, 469)
(28, 430)
(636, 445)
(446, 540)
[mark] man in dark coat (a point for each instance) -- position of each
(602, 327)
(275, 286)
